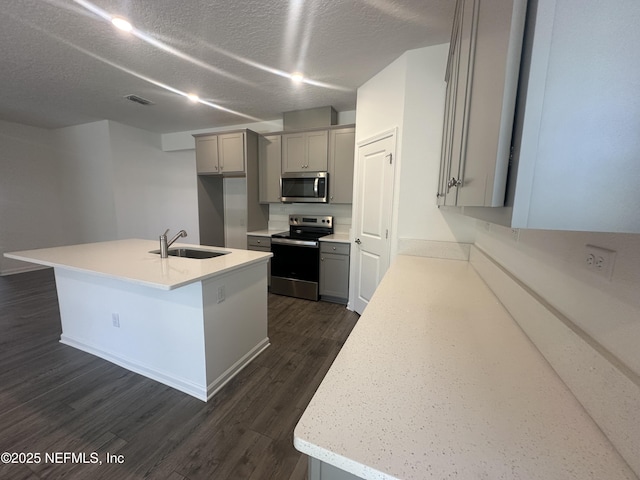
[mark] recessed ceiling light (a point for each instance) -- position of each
(122, 24)
(193, 97)
(297, 77)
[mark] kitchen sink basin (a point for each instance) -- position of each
(191, 253)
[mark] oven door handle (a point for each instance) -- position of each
(297, 243)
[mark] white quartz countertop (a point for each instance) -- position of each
(130, 261)
(267, 232)
(336, 238)
(438, 381)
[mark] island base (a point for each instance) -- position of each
(194, 338)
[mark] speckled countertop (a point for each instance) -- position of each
(437, 381)
(336, 238)
(131, 261)
(267, 232)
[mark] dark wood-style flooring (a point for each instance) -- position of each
(54, 398)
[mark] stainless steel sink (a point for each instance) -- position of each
(191, 253)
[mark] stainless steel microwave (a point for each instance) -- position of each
(305, 187)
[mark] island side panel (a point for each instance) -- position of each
(235, 312)
(160, 333)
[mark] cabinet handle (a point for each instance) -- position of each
(333, 248)
(322, 259)
(454, 183)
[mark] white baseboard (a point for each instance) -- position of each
(607, 389)
(236, 368)
(25, 269)
(201, 392)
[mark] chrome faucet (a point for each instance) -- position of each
(164, 244)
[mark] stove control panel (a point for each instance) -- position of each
(311, 220)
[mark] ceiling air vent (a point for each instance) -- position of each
(137, 99)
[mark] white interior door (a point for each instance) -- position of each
(373, 209)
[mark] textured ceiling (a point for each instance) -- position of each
(64, 64)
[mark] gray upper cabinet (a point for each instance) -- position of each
(305, 151)
(482, 78)
(575, 137)
(231, 153)
(221, 154)
(341, 160)
(270, 161)
(207, 155)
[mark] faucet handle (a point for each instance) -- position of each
(165, 232)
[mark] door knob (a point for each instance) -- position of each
(358, 241)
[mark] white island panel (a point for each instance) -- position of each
(160, 333)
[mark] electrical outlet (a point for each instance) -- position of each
(599, 260)
(221, 294)
(115, 320)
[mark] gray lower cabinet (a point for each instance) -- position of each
(334, 271)
(319, 470)
(260, 243)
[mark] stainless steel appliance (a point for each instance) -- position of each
(305, 187)
(295, 266)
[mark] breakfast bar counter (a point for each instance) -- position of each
(437, 381)
(189, 323)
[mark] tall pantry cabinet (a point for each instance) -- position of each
(228, 203)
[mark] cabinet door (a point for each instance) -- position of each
(496, 52)
(207, 155)
(482, 77)
(305, 151)
(294, 152)
(341, 158)
(317, 145)
(231, 153)
(270, 167)
(334, 275)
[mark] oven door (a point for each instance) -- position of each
(295, 269)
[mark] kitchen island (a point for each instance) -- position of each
(189, 323)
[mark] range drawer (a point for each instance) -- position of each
(256, 242)
(332, 247)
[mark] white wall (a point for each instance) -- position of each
(421, 145)
(409, 95)
(84, 159)
(551, 263)
(32, 214)
(152, 190)
(88, 183)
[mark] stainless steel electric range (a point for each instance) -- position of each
(295, 266)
